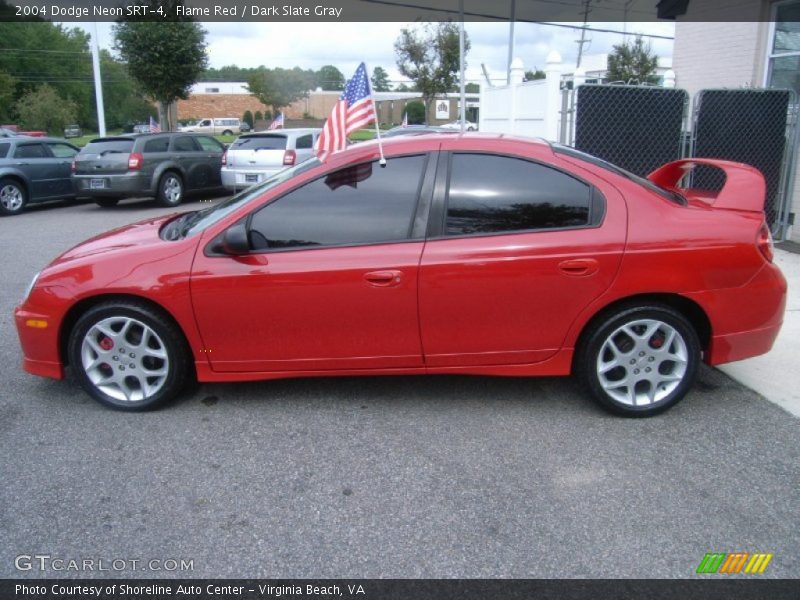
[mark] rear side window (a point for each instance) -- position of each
(30, 151)
(60, 150)
(496, 194)
(261, 142)
(209, 144)
(303, 142)
(184, 144)
(4, 150)
(156, 145)
(108, 147)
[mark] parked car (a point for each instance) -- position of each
(34, 170)
(468, 126)
(415, 130)
(486, 255)
(256, 156)
(161, 165)
(72, 131)
(226, 126)
(244, 127)
(141, 128)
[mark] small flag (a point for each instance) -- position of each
(277, 123)
(354, 110)
(405, 120)
(154, 126)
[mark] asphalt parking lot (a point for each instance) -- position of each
(379, 477)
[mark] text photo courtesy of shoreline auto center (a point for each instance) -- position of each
(396, 299)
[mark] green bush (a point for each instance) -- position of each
(247, 117)
(416, 112)
(258, 116)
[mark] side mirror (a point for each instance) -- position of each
(235, 241)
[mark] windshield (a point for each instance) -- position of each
(260, 142)
(109, 146)
(599, 162)
(198, 221)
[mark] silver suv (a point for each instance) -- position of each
(256, 156)
(161, 165)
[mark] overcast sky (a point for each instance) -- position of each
(312, 45)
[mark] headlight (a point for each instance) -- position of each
(30, 287)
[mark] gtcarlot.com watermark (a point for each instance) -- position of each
(48, 563)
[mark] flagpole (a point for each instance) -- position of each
(382, 161)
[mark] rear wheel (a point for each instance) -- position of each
(170, 189)
(12, 197)
(227, 132)
(639, 361)
(128, 356)
(106, 202)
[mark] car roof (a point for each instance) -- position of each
(298, 131)
(30, 138)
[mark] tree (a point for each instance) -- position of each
(278, 87)
(7, 90)
(429, 57)
(247, 117)
(259, 116)
(380, 80)
(416, 112)
(633, 63)
(535, 74)
(123, 101)
(44, 109)
(165, 58)
(472, 88)
(403, 88)
(330, 78)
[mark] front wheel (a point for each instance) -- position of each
(128, 356)
(12, 197)
(639, 361)
(227, 132)
(170, 189)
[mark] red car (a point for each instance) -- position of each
(474, 254)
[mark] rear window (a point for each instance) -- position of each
(261, 142)
(116, 146)
(4, 150)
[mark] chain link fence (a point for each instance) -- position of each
(641, 128)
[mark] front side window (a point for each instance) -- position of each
(360, 204)
(496, 194)
(4, 150)
(209, 144)
(784, 56)
(60, 150)
(30, 151)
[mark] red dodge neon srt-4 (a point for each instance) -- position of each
(470, 254)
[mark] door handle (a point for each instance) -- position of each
(579, 267)
(384, 278)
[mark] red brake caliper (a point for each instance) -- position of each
(106, 343)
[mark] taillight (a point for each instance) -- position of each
(225, 158)
(72, 167)
(135, 161)
(764, 242)
(289, 157)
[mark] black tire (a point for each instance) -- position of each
(13, 197)
(227, 132)
(654, 361)
(170, 189)
(98, 361)
(106, 202)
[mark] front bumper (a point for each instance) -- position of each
(38, 320)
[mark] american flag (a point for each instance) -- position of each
(353, 111)
(277, 122)
(154, 126)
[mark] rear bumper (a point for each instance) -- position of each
(236, 179)
(745, 320)
(114, 186)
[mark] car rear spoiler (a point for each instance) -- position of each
(744, 187)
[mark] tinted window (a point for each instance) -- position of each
(491, 194)
(123, 146)
(62, 150)
(4, 150)
(156, 145)
(303, 142)
(260, 142)
(183, 144)
(360, 204)
(209, 145)
(30, 151)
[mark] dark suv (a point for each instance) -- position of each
(162, 165)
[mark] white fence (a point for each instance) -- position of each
(529, 108)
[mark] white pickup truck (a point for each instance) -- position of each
(226, 126)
